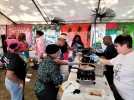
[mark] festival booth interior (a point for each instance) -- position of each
(74, 17)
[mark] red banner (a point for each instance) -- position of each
(73, 29)
(111, 25)
(21, 28)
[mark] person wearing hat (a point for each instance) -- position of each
(49, 76)
(15, 72)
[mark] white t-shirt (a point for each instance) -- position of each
(124, 75)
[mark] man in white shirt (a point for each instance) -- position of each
(123, 68)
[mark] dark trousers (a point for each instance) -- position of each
(109, 74)
(116, 93)
(50, 93)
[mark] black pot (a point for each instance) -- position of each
(86, 74)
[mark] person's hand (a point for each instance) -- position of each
(100, 60)
(61, 62)
(21, 83)
(58, 86)
(104, 61)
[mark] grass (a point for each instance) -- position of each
(29, 92)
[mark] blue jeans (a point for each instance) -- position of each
(14, 89)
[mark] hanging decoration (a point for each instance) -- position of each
(69, 30)
(79, 29)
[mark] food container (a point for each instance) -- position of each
(86, 72)
(94, 94)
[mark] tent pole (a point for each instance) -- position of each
(97, 11)
(7, 17)
(39, 10)
(43, 10)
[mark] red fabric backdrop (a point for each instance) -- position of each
(21, 28)
(72, 29)
(112, 25)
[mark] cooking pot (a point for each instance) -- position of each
(86, 72)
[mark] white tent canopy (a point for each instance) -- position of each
(25, 11)
(4, 20)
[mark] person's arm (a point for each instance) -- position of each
(65, 62)
(99, 54)
(61, 62)
(106, 53)
(105, 61)
(112, 61)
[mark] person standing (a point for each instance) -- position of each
(123, 68)
(23, 43)
(23, 48)
(109, 53)
(77, 43)
(64, 47)
(49, 77)
(39, 45)
(15, 72)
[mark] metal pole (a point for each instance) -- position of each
(97, 11)
(39, 11)
(7, 17)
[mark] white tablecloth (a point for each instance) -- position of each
(64, 71)
(101, 83)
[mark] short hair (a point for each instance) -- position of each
(107, 37)
(124, 39)
(63, 36)
(40, 33)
